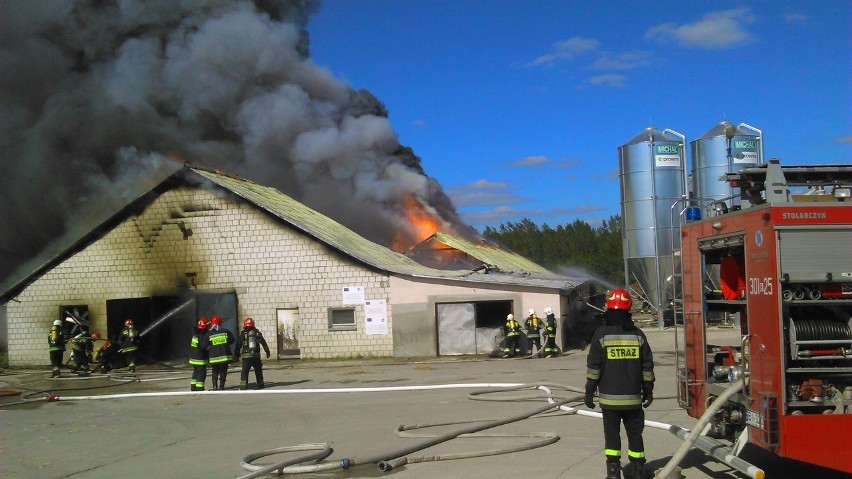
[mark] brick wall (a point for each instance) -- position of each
(230, 246)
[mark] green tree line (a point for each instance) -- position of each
(596, 250)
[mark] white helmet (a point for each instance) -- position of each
(58, 322)
(548, 310)
(531, 311)
(510, 316)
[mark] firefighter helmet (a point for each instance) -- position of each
(216, 321)
(58, 322)
(510, 316)
(548, 310)
(248, 323)
(128, 323)
(531, 312)
(202, 323)
(96, 335)
(107, 344)
(619, 298)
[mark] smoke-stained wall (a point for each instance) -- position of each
(99, 101)
(228, 246)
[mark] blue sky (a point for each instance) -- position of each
(518, 107)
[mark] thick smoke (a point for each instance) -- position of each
(98, 99)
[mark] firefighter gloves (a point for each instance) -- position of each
(647, 394)
(589, 400)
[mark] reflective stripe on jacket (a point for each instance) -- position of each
(619, 362)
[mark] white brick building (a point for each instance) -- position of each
(203, 243)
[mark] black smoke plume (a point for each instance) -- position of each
(98, 98)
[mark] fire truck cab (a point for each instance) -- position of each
(778, 267)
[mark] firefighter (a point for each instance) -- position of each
(248, 349)
(81, 349)
(104, 355)
(550, 349)
(533, 325)
(130, 344)
(56, 347)
(512, 328)
(199, 355)
(219, 341)
(621, 369)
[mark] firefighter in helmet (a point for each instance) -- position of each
(130, 344)
(56, 347)
(550, 349)
(512, 329)
(533, 325)
(219, 341)
(104, 355)
(199, 356)
(621, 369)
(248, 349)
(81, 349)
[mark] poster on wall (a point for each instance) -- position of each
(376, 314)
(353, 295)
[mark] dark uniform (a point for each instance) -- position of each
(533, 325)
(199, 356)
(248, 349)
(550, 349)
(56, 347)
(130, 345)
(219, 341)
(512, 329)
(81, 348)
(621, 370)
(104, 357)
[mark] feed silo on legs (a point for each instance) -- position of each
(725, 148)
(651, 171)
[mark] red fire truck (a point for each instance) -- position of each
(778, 267)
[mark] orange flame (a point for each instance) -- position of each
(422, 224)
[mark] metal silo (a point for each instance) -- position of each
(723, 149)
(652, 169)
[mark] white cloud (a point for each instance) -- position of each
(610, 79)
(795, 17)
(720, 29)
(844, 139)
(535, 160)
(621, 61)
(482, 193)
(420, 123)
(565, 50)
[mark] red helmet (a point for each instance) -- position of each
(216, 321)
(202, 323)
(128, 323)
(248, 323)
(96, 335)
(106, 345)
(619, 298)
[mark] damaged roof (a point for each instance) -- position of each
(488, 253)
(502, 267)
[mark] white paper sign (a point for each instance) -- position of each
(376, 316)
(353, 295)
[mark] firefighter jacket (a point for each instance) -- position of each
(198, 352)
(620, 363)
(550, 326)
(512, 328)
(129, 340)
(82, 344)
(219, 342)
(533, 325)
(249, 343)
(56, 339)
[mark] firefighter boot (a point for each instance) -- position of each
(55, 373)
(613, 470)
(638, 469)
(215, 384)
(243, 386)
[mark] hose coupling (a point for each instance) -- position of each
(345, 463)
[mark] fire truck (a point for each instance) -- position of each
(778, 266)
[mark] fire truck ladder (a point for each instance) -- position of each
(682, 211)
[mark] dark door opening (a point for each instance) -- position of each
(471, 328)
(165, 323)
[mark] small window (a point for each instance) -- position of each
(341, 319)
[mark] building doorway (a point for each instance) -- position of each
(288, 333)
(471, 328)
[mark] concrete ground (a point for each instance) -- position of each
(207, 434)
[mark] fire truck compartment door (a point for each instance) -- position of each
(808, 255)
